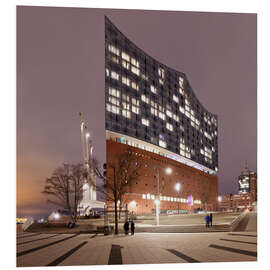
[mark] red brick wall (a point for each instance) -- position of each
(192, 180)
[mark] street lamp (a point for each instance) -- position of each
(168, 170)
(178, 187)
(157, 200)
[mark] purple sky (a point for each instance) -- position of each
(60, 67)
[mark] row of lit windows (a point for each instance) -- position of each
(168, 198)
(126, 59)
(187, 111)
(210, 120)
(184, 150)
(161, 74)
(161, 143)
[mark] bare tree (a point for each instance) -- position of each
(66, 187)
(123, 171)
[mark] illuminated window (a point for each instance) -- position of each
(175, 117)
(148, 196)
(125, 105)
(161, 81)
(135, 86)
(152, 197)
(135, 109)
(162, 143)
(113, 49)
(114, 101)
(125, 56)
(182, 146)
(107, 72)
(126, 113)
(114, 75)
(145, 122)
(161, 115)
(112, 108)
(145, 99)
(154, 111)
(135, 106)
(169, 113)
(135, 70)
(169, 126)
(125, 64)
(144, 196)
(161, 72)
(114, 92)
(176, 99)
(126, 81)
(182, 110)
(207, 135)
(187, 114)
(153, 89)
(134, 62)
(181, 82)
(181, 91)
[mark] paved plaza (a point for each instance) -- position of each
(36, 249)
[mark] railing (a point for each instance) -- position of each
(238, 219)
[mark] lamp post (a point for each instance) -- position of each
(178, 187)
(157, 200)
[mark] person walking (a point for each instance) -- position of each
(126, 227)
(132, 227)
(211, 219)
(207, 218)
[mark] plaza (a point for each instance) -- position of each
(36, 249)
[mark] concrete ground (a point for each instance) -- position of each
(168, 223)
(192, 219)
(35, 249)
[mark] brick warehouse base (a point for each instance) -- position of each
(140, 198)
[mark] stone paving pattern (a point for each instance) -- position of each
(141, 248)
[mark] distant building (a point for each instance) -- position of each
(247, 183)
(247, 193)
(235, 202)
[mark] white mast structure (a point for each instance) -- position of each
(89, 187)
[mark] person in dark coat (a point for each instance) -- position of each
(132, 227)
(207, 219)
(211, 219)
(126, 227)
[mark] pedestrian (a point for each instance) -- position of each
(207, 218)
(126, 227)
(211, 219)
(132, 227)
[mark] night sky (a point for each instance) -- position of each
(60, 72)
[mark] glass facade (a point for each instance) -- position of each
(149, 101)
